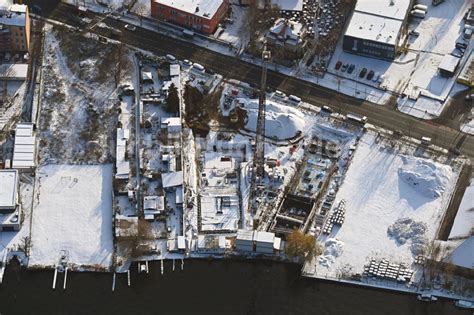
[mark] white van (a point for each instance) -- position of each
(198, 67)
(425, 140)
(280, 94)
(294, 98)
(171, 57)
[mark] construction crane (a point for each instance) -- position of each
(259, 153)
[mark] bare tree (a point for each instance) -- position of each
(140, 9)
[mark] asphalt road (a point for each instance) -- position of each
(441, 132)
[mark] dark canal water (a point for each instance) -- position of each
(204, 287)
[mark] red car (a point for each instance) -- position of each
(338, 65)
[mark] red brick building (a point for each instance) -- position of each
(200, 15)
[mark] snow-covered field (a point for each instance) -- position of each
(386, 188)
(73, 212)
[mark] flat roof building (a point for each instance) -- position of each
(8, 189)
(199, 15)
(24, 150)
(9, 206)
(448, 65)
(376, 27)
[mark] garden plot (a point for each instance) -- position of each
(394, 203)
(79, 103)
(73, 214)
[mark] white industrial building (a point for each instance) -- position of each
(244, 241)
(259, 242)
(9, 205)
(264, 242)
(376, 27)
(24, 150)
(448, 65)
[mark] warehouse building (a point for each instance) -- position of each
(200, 15)
(448, 65)
(9, 203)
(376, 27)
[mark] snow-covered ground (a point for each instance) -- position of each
(78, 92)
(281, 122)
(387, 190)
(236, 32)
(73, 213)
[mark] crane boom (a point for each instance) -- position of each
(259, 153)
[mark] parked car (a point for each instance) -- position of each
(376, 77)
(338, 65)
(461, 46)
(279, 94)
(370, 75)
(130, 27)
(458, 53)
(362, 73)
(326, 109)
(344, 67)
(351, 68)
(414, 33)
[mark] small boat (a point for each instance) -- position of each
(425, 297)
(464, 304)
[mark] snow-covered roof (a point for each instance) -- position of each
(289, 5)
(181, 242)
(285, 29)
(245, 235)
(174, 70)
(449, 63)
(171, 121)
(463, 255)
(15, 15)
(202, 8)
(374, 28)
(154, 203)
(15, 71)
(24, 148)
(264, 237)
(122, 165)
(172, 179)
(394, 9)
(146, 75)
(216, 160)
(21, 8)
(8, 188)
